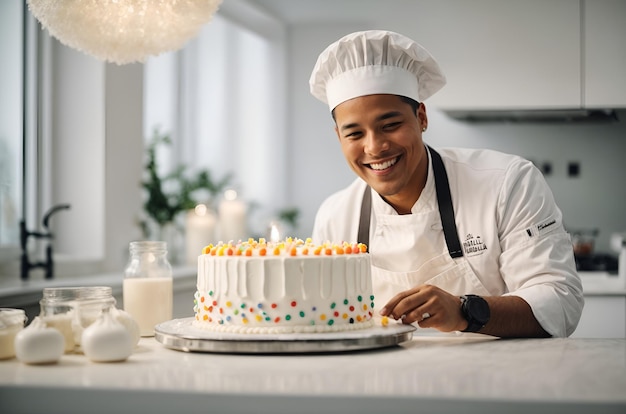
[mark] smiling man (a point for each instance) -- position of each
(381, 140)
(460, 239)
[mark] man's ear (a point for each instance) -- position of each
(421, 115)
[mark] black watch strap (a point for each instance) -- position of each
(473, 326)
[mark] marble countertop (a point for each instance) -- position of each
(430, 373)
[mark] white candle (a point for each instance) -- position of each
(199, 231)
(274, 233)
(232, 218)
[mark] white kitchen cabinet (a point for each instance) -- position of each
(508, 54)
(604, 53)
(603, 317)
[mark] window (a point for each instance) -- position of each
(221, 100)
(19, 117)
(11, 107)
(52, 124)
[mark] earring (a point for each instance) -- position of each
(424, 129)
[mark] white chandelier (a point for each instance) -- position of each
(123, 31)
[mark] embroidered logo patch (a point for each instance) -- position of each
(473, 245)
(541, 228)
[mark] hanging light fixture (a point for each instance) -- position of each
(123, 31)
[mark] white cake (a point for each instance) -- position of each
(290, 286)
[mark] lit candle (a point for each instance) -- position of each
(274, 233)
(232, 218)
(199, 231)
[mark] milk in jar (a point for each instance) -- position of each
(147, 288)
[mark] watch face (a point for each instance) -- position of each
(478, 309)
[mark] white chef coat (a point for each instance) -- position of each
(508, 223)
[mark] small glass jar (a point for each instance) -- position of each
(11, 322)
(72, 309)
(148, 287)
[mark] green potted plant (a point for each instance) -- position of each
(168, 195)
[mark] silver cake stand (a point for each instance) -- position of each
(180, 334)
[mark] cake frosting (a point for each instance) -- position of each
(289, 286)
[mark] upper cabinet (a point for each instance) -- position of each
(604, 52)
(533, 54)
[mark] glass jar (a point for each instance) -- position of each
(11, 322)
(72, 309)
(584, 241)
(147, 290)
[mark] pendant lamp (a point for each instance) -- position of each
(123, 31)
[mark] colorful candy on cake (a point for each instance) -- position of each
(289, 286)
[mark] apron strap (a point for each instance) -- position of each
(363, 236)
(444, 199)
(446, 211)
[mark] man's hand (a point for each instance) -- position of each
(432, 307)
(429, 306)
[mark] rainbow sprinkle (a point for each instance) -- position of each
(288, 247)
(268, 313)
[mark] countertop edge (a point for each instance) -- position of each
(27, 292)
(74, 400)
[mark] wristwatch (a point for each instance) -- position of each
(476, 310)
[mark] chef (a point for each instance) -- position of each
(460, 239)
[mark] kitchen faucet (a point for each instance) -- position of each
(48, 264)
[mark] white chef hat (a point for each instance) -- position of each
(374, 62)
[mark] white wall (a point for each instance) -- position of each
(597, 199)
(123, 153)
(77, 148)
(97, 148)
